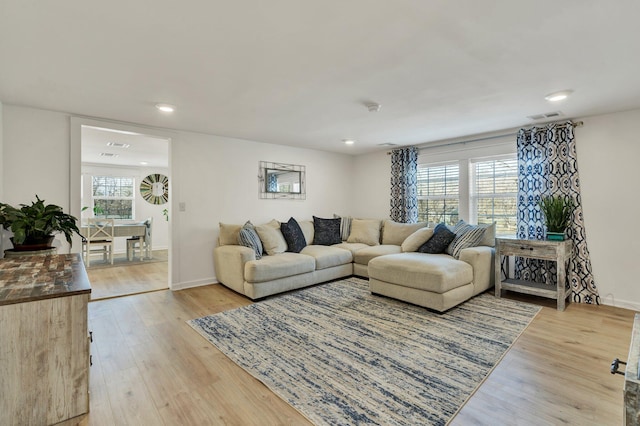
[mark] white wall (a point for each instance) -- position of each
(608, 154)
(215, 177)
(142, 209)
(608, 149)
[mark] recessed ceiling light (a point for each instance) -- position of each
(558, 96)
(166, 107)
(144, 163)
(348, 141)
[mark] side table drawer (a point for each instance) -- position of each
(515, 248)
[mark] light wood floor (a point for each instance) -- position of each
(151, 368)
(122, 280)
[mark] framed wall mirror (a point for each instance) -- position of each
(279, 180)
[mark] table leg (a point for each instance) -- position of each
(561, 284)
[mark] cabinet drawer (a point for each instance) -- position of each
(525, 249)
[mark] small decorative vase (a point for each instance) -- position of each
(555, 236)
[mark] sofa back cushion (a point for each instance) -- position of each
(489, 238)
(228, 234)
(365, 231)
(395, 232)
(272, 239)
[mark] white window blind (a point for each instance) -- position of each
(113, 196)
(494, 188)
(438, 193)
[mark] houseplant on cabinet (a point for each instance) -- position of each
(34, 225)
(557, 211)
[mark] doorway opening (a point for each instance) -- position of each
(124, 184)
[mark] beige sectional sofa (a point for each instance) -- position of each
(387, 257)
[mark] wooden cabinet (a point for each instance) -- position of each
(44, 341)
(556, 251)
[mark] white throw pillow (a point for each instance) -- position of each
(414, 241)
(273, 241)
(489, 238)
(395, 232)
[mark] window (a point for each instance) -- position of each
(494, 188)
(113, 196)
(438, 193)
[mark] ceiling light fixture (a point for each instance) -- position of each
(558, 96)
(348, 141)
(144, 163)
(118, 144)
(166, 107)
(373, 106)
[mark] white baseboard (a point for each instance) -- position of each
(191, 284)
(626, 304)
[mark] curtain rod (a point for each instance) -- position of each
(513, 133)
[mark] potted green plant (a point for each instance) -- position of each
(557, 211)
(34, 225)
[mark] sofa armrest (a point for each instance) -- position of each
(481, 260)
(229, 262)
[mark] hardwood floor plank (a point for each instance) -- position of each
(150, 367)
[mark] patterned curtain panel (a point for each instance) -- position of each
(404, 185)
(548, 165)
(272, 183)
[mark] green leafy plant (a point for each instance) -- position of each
(557, 212)
(165, 213)
(37, 221)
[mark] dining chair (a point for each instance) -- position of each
(134, 243)
(100, 234)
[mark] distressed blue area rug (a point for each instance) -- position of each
(340, 355)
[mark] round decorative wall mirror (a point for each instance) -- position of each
(155, 188)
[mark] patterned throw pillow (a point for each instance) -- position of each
(439, 242)
(466, 236)
(326, 231)
(293, 235)
(345, 226)
(248, 237)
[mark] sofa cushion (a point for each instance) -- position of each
(366, 254)
(439, 242)
(437, 273)
(307, 230)
(415, 240)
(328, 257)
(467, 235)
(278, 266)
(489, 238)
(228, 235)
(352, 247)
(365, 231)
(293, 235)
(272, 239)
(248, 237)
(395, 232)
(326, 231)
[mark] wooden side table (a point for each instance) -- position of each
(557, 251)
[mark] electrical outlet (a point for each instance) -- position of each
(182, 206)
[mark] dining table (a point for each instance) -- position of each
(127, 230)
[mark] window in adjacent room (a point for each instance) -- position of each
(493, 189)
(113, 196)
(438, 193)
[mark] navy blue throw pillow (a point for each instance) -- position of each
(439, 242)
(326, 231)
(293, 236)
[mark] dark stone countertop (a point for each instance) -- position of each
(31, 278)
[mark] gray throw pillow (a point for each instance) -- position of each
(466, 236)
(439, 242)
(293, 235)
(326, 231)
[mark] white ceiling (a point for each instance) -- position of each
(141, 150)
(298, 72)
